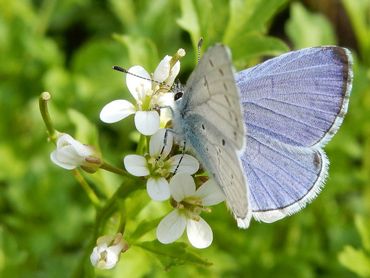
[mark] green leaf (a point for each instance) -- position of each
(255, 45)
(212, 19)
(125, 11)
(359, 13)
(142, 51)
(143, 228)
(86, 132)
(363, 227)
(355, 260)
(250, 15)
(263, 12)
(173, 254)
(306, 29)
(189, 21)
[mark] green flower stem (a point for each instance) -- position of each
(122, 223)
(113, 169)
(102, 216)
(113, 204)
(141, 147)
(90, 193)
(43, 104)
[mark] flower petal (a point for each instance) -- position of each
(65, 165)
(165, 117)
(80, 149)
(171, 227)
(158, 189)
(136, 165)
(95, 255)
(64, 140)
(181, 186)
(173, 73)
(111, 259)
(199, 233)
(136, 85)
(184, 163)
(162, 71)
(68, 154)
(156, 144)
(147, 122)
(116, 111)
(210, 193)
(165, 100)
(104, 257)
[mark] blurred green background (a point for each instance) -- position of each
(67, 47)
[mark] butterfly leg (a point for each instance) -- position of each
(182, 156)
(164, 144)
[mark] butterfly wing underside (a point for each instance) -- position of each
(293, 105)
(211, 120)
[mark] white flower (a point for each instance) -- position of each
(156, 166)
(165, 73)
(106, 253)
(71, 154)
(148, 95)
(189, 202)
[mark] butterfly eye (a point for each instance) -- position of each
(178, 95)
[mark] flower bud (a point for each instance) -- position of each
(106, 253)
(71, 154)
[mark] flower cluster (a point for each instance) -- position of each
(149, 94)
(157, 166)
(188, 203)
(167, 176)
(169, 172)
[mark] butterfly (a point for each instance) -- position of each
(260, 132)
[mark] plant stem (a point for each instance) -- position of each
(113, 169)
(102, 216)
(43, 104)
(110, 207)
(139, 147)
(90, 193)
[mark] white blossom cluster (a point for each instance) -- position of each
(169, 173)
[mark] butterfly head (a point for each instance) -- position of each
(178, 90)
(178, 95)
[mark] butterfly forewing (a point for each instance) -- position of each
(299, 98)
(222, 163)
(211, 121)
(214, 94)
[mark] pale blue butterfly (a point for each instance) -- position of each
(260, 133)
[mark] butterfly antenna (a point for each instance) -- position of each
(200, 43)
(118, 68)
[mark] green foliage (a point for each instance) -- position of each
(306, 29)
(358, 12)
(48, 225)
(172, 255)
(358, 260)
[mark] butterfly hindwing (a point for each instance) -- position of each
(282, 180)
